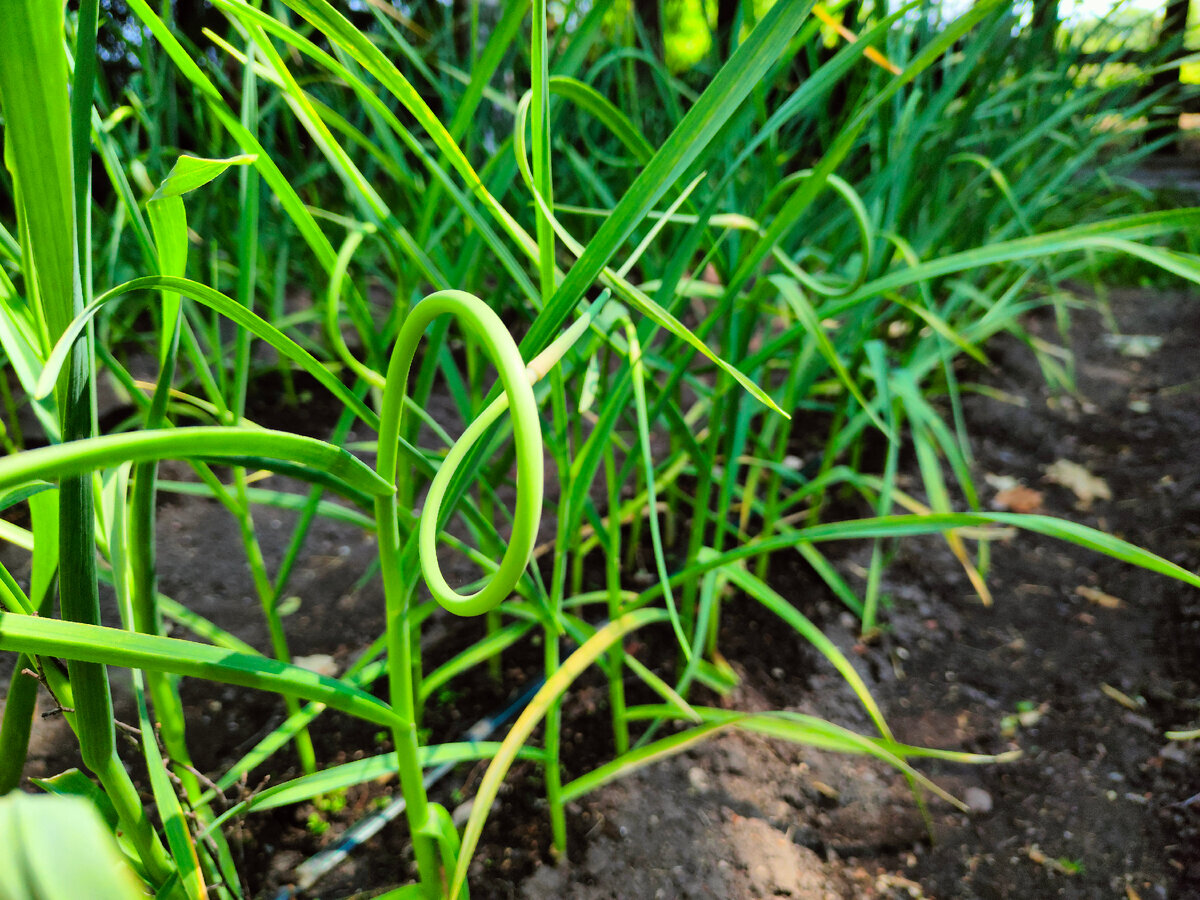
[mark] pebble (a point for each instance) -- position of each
(736, 761)
(1174, 753)
(978, 800)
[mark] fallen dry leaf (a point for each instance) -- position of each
(1108, 601)
(1019, 499)
(1086, 486)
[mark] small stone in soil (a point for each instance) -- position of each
(978, 800)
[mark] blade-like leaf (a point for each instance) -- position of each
(191, 172)
(79, 457)
(233, 310)
(33, 834)
(114, 647)
(549, 694)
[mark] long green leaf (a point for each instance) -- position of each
(911, 525)
(337, 778)
(37, 141)
(546, 697)
(33, 834)
(115, 647)
(79, 457)
(227, 307)
(1118, 232)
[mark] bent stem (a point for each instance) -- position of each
(487, 328)
(517, 380)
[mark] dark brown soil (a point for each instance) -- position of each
(1085, 687)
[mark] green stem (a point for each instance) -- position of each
(80, 602)
(267, 597)
(19, 705)
(78, 591)
(540, 119)
(612, 573)
(780, 431)
(552, 765)
(493, 624)
(489, 330)
(828, 457)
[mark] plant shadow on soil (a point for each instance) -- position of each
(1095, 806)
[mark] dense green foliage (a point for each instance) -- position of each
(731, 281)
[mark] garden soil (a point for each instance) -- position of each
(1080, 662)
